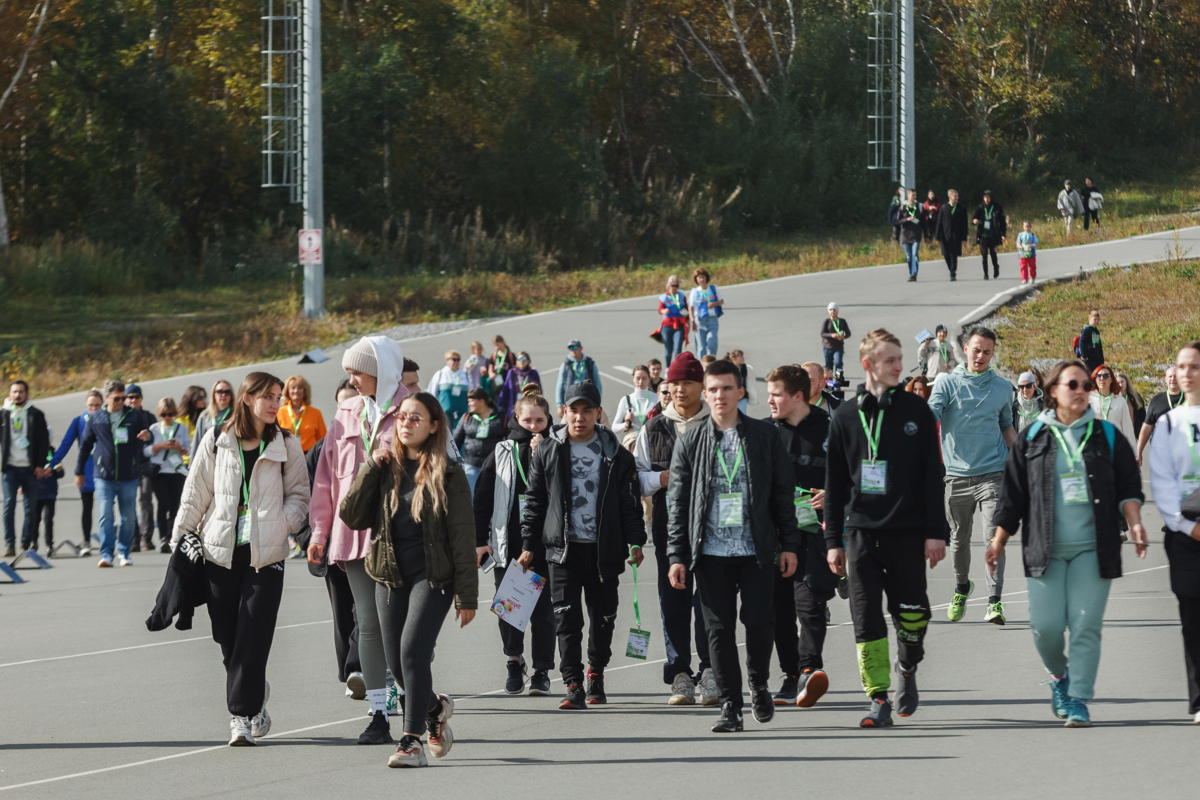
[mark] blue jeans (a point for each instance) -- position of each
(833, 359)
(125, 495)
(706, 335)
(912, 254)
(20, 478)
(672, 343)
(472, 476)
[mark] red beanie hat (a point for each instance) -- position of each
(685, 367)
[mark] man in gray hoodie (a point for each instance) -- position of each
(974, 406)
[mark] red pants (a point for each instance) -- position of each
(1029, 269)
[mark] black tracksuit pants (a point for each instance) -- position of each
(892, 562)
(681, 617)
(243, 604)
(542, 620)
(984, 249)
(950, 253)
(804, 598)
(721, 580)
(345, 622)
(576, 582)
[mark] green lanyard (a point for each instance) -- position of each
(952, 209)
(245, 477)
(942, 350)
(874, 431)
(501, 357)
(369, 442)
(1078, 454)
(117, 424)
(485, 426)
(1181, 402)
(296, 423)
(912, 211)
(637, 613)
(1104, 407)
(736, 464)
(520, 469)
(522, 380)
(162, 429)
(18, 419)
(639, 412)
(1028, 416)
(836, 328)
(673, 300)
(579, 368)
(987, 212)
(222, 416)
(820, 399)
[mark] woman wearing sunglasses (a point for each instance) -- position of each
(515, 381)
(422, 557)
(215, 414)
(1108, 404)
(1068, 482)
(450, 386)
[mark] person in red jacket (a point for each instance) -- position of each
(931, 207)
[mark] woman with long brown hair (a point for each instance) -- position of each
(246, 491)
(214, 416)
(417, 503)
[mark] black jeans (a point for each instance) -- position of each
(802, 646)
(243, 604)
(984, 249)
(87, 501)
(542, 620)
(45, 513)
(721, 580)
(145, 512)
(1089, 215)
(168, 489)
(681, 616)
(24, 479)
(410, 619)
(1189, 614)
(345, 622)
(950, 253)
(576, 582)
(878, 562)
(1183, 554)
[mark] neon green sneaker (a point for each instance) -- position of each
(958, 604)
(995, 614)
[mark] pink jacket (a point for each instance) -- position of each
(340, 460)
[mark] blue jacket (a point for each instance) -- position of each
(114, 462)
(74, 431)
(974, 411)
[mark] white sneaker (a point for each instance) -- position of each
(356, 687)
(683, 691)
(240, 734)
(441, 738)
(410, 753)
(125, 561)
(708, 688)
(85, 551)
(260, 724)
(105, 561)
(1196, 719)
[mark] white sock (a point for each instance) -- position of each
(378, 701)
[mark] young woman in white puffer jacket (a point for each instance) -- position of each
(246, 490)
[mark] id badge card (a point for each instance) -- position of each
(243, 526)
(639, 644)
(874, 477)
(482, 431)
(729, 510)
(456, 390)
(521, 504)
(1074, 487)
(987, 224)
(805, 515)
(121, 435)
(22, 442)
(1189, 484)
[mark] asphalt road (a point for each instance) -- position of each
(93, 705)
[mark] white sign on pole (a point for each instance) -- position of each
(310, 247)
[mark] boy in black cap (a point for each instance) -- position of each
(582, 467)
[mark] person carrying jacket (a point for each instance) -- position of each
(731, 491)
(499, 500)
(477, 433)
(24, 451)
(577, 368)
(951, 231)
(1027, 404)
(363, 423)
(1070, 206)
(991, 231)
(804, 597)
(582, 506)
(246, 491)
(884, 515)
(421, 556)
(117, 434)
(1068, 481)
(679, 609)
(87, 493)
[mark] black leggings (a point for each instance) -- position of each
(87, 499)
(168, 489)
(410, 619)
(45, 513)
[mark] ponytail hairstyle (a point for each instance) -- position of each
(241, 422)
(531, 395)
(431, 458)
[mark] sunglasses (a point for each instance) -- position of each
(119, 397)
(223, 391)
(1074, 385)
(522, 360)
(133, 397)
(1104, 376)
(404, 416)
(1025, 386)
(576, 347)
(456, 359)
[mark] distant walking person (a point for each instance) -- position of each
(673, 307)
(911, 217)
(939, 354)
(24, 449)
(578, 368)
(894, 211)
(145, 523)
(1069, 205)
(1108, 403)
(298, 415)
(449, 386)
(1090, 349)
(951, 231)
(1027, 244)
(215, 415)
(707, 304)
(1092, 201)
(991, 231)
(168, 445)
(833, 339)
(930, 208)
(1159, 405)
(87, 492)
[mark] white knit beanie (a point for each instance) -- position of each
(361, 358)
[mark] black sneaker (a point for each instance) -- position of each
(813, 685)
(539, 684)
(879, 715)
(595, 689)
(953, 277)
(843, 588)
(907, 698)
(165, 547)
(730, 720)
(786, 696)
(378, 732)
(575, 699)
(761, 703)
(516, 677)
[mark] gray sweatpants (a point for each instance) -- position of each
(370, 640)
(963, 496)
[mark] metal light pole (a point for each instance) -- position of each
(313, 195)
(907, 126)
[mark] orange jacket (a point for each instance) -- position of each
(310, 424)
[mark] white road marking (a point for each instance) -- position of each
(618, 380)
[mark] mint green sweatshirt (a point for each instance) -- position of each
(974, 411)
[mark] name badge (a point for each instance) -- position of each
(521, 504)
(243, 526)
(482, 431)
(456, 390)
(639, 644)
(22, 442)
(121, 435)
(729, 510)
(874, 477)
(987, 224)
(1189, 483)
(805, 515)
(1074, 487)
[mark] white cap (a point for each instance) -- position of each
(831, 307)
(1026, 377)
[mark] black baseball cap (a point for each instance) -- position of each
(583, 391)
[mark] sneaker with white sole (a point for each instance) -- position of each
(356, 686)
(708, 689)
(260, 723)
(814, 683)
(1196, 719)
(240, 734)
(683, 691)
(410, 753)
(125, 561)
(394, 706)
(441, 738)
(105, 562)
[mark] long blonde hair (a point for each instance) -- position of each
(431, 458)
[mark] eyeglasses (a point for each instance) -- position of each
(223, 391)
(1104, 376)
(1074, 386)
(404, 416)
